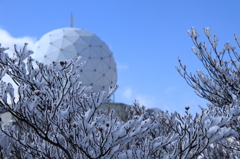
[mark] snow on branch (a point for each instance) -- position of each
(55, 116)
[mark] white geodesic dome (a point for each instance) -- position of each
(69, 43)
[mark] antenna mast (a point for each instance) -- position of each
(72, 20)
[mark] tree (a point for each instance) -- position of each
(56, 117)
(221, 85)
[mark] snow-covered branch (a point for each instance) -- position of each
(56, 117)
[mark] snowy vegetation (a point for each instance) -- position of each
(56, 117)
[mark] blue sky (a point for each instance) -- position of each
(145, 36)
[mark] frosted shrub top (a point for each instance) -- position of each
(68, 43)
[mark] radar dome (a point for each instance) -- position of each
(69, 43)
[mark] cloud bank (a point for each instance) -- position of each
(122, 66)
(9, 41)
(6, 40)
(127, 93)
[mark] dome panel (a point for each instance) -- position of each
(70, 48)
(84, 79)
(80, 48)
(100, 82)
(80, 41)
(45, 42)
(55, 35)
(61, 57)
(70, 32)
(42, 49)
(90, 76)
(52, 49)
(87, 39)
(97, 76)
(57, 43)
(95, 41)
(105, 51)
(82, 32)
(112, 64)
(51, 56)
(68, 55)
(107, 61)
(103, 67)
(66, 43)
(95, 63)
(69, 52)
(109, 74)
(95, 52)
(88, 66)
(72, 39)
(85, 53)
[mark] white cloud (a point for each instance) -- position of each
(153, 103)
(8, 41)
(127, 93)
(122, 67)
(169, 89)
(130, 95)
(147, 101)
